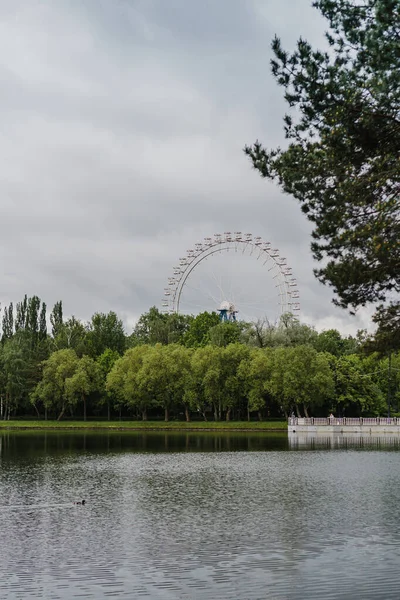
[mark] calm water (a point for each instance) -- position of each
(199, 516)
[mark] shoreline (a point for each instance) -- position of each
(212, 426)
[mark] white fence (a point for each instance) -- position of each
(344, 421)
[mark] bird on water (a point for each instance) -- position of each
(82, 502)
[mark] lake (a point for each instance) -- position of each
(198, 516)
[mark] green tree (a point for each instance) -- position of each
(260, 333)
(43, 323)
(288, 332)
(291, 332)
(330, 341)
(164, 376)
(33, 319)
(21, 369)
(13, 376)
(85, 380)
(30, 320)
(224, 334)
(122, 381)
(52, 390)
(183, 379)
(234, 383)
(150, 329)
(384, 372)
(356, 392)
(8, 322)
(342, 161)
(208, 380)
(71, 334)
(386, 338)
(155, 327)
(56, 319)
(308, 379)
(198, 334)
(106, 361)
(178, 325)
(256, 372)
(276, 382)
(21, 314)
(105, 331)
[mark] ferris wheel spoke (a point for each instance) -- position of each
(201, 296)
(213, 291)
(241, 298)
(212, 280)
(202, 292)
(259, 310)
(218, 283)
(195, 304)
(260, 302)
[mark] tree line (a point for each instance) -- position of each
(185, 367)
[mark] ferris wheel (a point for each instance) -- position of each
(283, 295)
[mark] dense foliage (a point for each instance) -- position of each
(343, 158)
(184, 367)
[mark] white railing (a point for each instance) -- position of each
(344, 421)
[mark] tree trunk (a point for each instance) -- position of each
(144, 414)
(37, 412)
(228, 414)
(298, 411)
(187, 414)
(45, 413)
(108, 410)
(248, 413)
(215, 413)
(61, 414)
(84, 407)
(259, 415)
(204, 415)
(166, 414)
(5, 408)
(305, 410)
(1, 407)
(120, 413)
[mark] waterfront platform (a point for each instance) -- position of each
(376, 425)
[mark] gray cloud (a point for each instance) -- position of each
(121, 136)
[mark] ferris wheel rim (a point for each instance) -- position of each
(196, 262)
(288, 293)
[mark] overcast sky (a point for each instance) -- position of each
(122, 125)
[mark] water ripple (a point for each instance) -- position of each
(277, 525)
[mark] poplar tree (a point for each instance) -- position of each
(8, 322)
(32, 319)
(43, 322)
(56, 318)
(21, 314)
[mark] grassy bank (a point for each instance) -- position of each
(149, 425)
